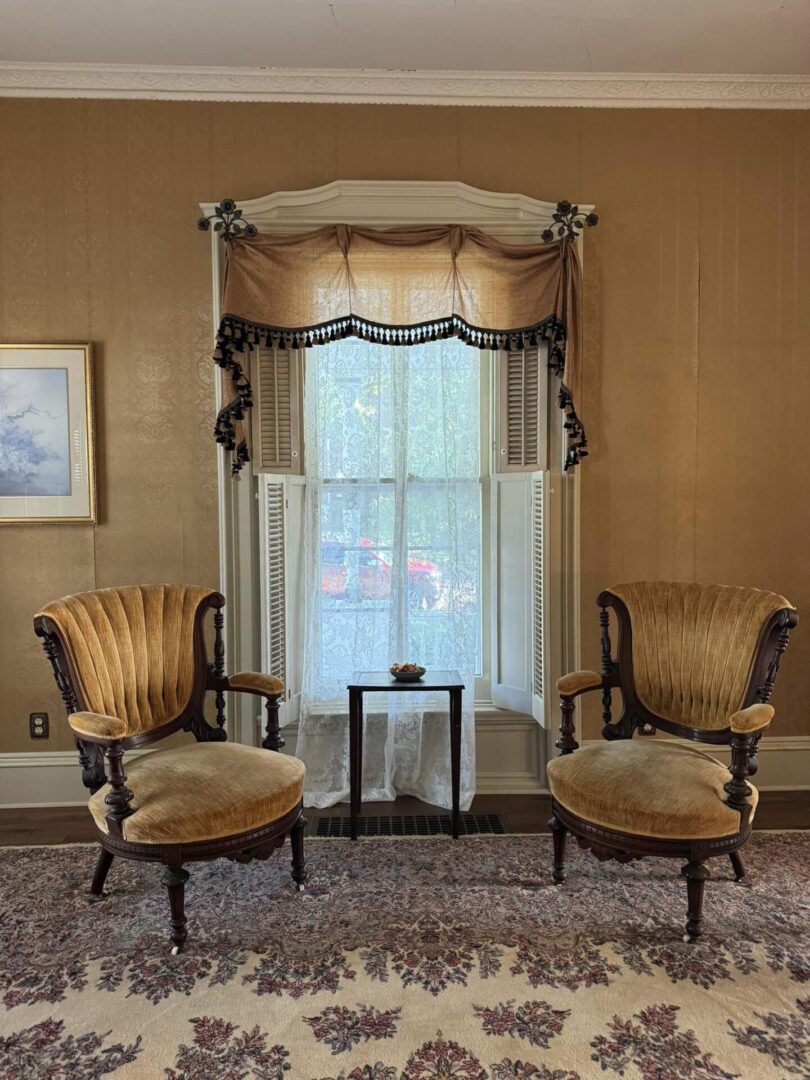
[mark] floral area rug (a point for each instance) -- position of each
(406, 959)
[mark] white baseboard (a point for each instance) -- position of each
(44, 778)
(509, 763)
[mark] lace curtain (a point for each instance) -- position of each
(392, 557)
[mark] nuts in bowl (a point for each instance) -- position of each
(407, 672)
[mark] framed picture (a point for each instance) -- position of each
(47, 445)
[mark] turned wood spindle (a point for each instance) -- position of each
(272, 739)
(119, 796)
(219, 664)
(737, 789)
(607, 665)
(567, 743)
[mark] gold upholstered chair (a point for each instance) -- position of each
(696, 661)
(132, 668)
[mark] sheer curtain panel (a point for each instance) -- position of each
(392, 555)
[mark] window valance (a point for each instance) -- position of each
(399, 287)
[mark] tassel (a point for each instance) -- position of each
(237, 336)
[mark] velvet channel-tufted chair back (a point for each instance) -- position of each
(694, 648)
(136, 652)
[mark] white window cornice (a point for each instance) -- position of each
(386, 204)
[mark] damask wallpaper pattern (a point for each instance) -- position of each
(696, 373)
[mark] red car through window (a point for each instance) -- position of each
(371, 580)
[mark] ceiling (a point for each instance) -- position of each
(756, 37)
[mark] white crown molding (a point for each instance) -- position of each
(518, 88)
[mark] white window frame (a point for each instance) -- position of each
(487, 402)
(388, 204)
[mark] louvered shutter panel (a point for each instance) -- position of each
(521, 416)
(274, 581)
(276, 412)
(511, 593)
(539, 592)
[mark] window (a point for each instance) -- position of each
(529, 615)
(431, 459)
(393, 446)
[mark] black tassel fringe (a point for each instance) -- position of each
(237, 336)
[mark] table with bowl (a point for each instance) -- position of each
(398, 679)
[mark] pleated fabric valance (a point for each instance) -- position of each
(398, 287)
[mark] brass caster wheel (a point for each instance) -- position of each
(176, 950)
(300, 888)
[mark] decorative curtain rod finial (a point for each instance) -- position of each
(569, 221)
(227, 221)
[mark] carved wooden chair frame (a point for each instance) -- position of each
(617, 673)
(101, 760)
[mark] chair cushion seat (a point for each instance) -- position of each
(204, 792)
(649, 788)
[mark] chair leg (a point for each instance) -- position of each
(175, 878)
(738, 864)
(696, 875)
(103, 865)
(299, 866)
(559, 832)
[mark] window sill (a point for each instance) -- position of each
(484, 712)
(481, 708)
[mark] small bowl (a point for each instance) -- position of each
(408, 676)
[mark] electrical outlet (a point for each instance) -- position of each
(38, 725)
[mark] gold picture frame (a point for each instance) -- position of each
(47, 434)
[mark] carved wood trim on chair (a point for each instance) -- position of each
(192, 718)
(773, 640)
(90, 756)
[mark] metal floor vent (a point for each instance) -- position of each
(411, 825)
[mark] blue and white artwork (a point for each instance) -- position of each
(34, 432)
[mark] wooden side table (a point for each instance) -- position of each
(383, 681)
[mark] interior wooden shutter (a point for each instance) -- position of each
(273, 559)
(539, 591)
(276, 413)
(510, 501)
(522, 411)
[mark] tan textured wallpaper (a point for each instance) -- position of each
(696, 366)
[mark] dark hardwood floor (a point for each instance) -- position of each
(521, 813)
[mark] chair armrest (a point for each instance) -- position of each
(743, 742)
(107, 731)
(256, 682)
(579, 682)
(569, 687)
(754, 718)
(97, 728)
(271, 689)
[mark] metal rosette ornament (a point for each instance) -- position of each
(569, 221)
(227, 219)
